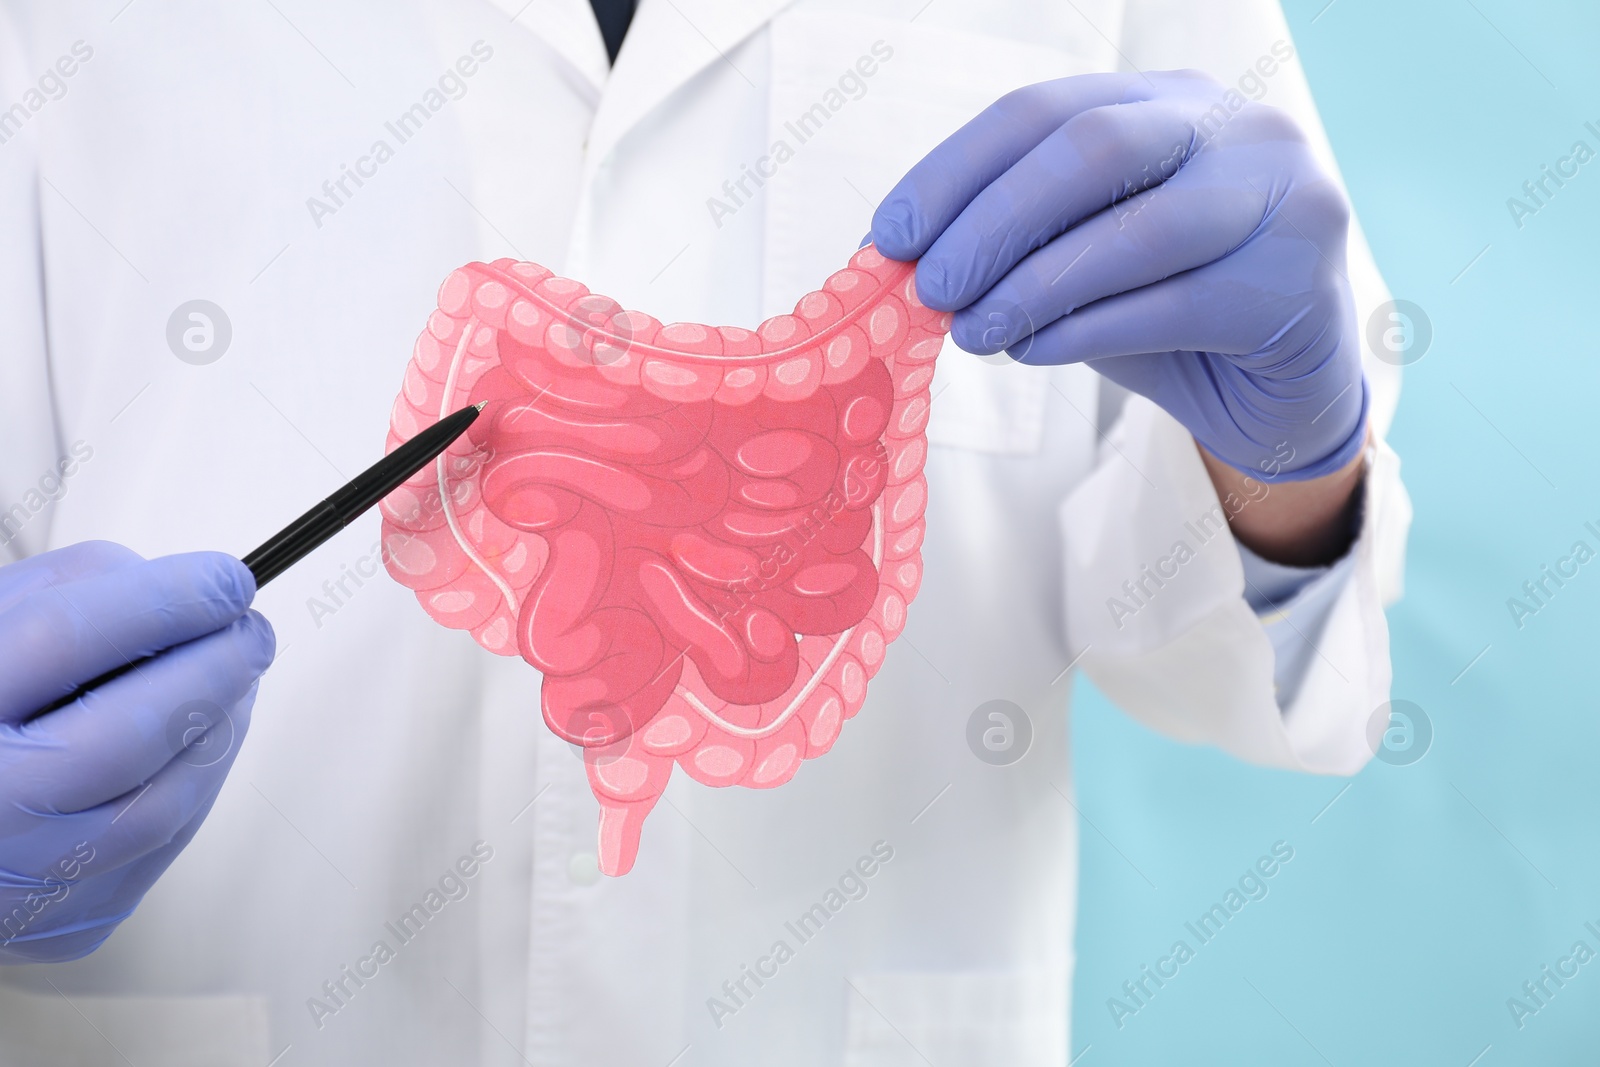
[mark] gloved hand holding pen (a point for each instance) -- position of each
(98, 796)
(125, 687)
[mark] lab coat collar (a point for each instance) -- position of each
(669, 42)
(569, 28)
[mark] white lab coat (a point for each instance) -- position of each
(179, 164)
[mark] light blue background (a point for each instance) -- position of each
(1427, 894)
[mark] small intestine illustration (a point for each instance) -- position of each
(704, 538)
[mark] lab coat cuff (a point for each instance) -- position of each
(1157, 608)
(1293, 604)
(1269, 586)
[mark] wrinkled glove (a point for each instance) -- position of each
(98, 797)
(1176, 237)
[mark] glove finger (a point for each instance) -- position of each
(56, 638)
(1142, 241)
(1176, 315)
(1210, 309)
(144, 820)
(175, 706)
(1166, 341)
(62, 565)
(943, 183)
(72, 917)
(1096, 158)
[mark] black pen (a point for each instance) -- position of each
(302, 536)
(297, 540)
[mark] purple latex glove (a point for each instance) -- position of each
(1176, 237)
(98, 797)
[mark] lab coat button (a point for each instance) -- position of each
(584, 868)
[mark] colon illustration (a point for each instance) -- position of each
(704, 538)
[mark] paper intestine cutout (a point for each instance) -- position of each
(704, 537)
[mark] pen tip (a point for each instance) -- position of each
(480, 405)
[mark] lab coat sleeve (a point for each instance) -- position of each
(28, 453)
(1167, 632)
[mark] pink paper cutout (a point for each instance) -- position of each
(704, 537)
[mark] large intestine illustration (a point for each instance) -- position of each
(705, 538)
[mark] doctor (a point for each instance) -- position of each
(233, 219)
